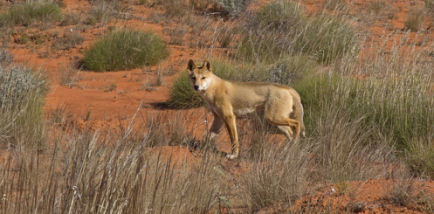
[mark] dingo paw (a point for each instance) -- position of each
(231, 156)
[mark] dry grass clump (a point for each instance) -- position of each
(70, 39)
(21, 101)
(68, 75)
(406, 191)
(278, 175)
(415, 19)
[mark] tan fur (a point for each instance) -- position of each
(227, 100)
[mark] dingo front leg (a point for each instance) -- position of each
(215, 127)
(232, 129)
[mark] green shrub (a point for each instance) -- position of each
(21, 101)
(125, 49)
(182, 94)
(30, 12)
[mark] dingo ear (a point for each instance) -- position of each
(191, 66)
(207, 65)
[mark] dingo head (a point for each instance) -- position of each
(199, 76)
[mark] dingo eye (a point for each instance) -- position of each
(193, 77)
(203, 78)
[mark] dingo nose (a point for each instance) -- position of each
(196, 87)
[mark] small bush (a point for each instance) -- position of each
(29, 12)
(125, 49)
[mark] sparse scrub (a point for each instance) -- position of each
(71, 19)
(177, 34)
(225, 36)
(377, 6)
(405, 191)
(175, 9)
(101, 12)
(202, 5)
(22, 95)
(334, 4)
(29, 12)
(70, 39)
(125, 49)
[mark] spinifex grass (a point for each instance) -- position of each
(125, 49)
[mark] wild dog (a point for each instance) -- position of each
(227, 100)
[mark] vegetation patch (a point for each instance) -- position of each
(125, 49)
(22, 94)
(280, 29)
(29, 12)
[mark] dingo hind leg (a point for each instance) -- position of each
(278, 113)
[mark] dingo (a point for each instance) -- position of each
(226, 100)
